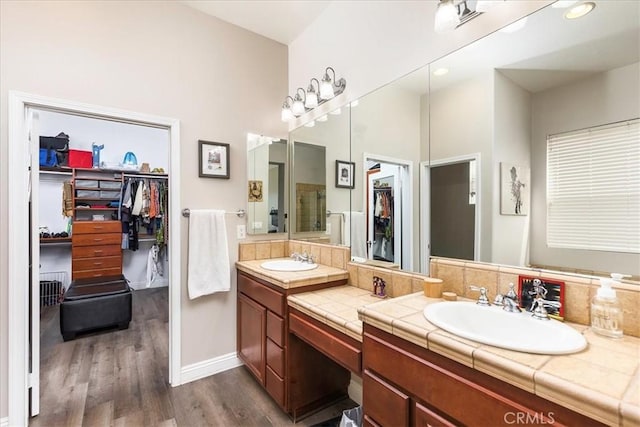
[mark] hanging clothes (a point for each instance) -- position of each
(143, 207)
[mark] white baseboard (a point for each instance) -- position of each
(355, 389)
(143, 285)
(4, 422)
(209, 367)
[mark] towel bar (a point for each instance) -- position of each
(329, 213)
(241, 213)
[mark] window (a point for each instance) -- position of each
(593, 188)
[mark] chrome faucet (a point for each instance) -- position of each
(509, 301)
(305, 257)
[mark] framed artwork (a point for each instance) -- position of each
(553, 291)
(344, 174)
(255, 191)
(514, 189)
(214, 160)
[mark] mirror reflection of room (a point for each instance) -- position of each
(266, 184)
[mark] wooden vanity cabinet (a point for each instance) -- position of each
(405, 384)
(296, 376)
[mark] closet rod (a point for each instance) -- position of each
(240, 212)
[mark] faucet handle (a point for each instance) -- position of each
(511, 293)
(482, 299)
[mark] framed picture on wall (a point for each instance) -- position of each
(214, 160)
(344, 174)
(514, 189)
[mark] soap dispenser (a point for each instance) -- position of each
(606, 312)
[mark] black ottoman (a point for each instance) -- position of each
(95, 303)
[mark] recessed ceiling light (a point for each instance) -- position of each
(561, 4)
(518, 25)
(440, 72)
(580, 10)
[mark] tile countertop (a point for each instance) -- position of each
(602, 381)
(292, 279)
(336, 307)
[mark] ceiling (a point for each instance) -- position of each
(282, 21)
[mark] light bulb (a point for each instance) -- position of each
(326, 88)
(286, 113)
(312, 98)
(298, 107)
(310, 124)
(322, 118)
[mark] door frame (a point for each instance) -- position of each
(407, 197)
(425, 205)
(19, 156)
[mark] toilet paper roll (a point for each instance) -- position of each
(432, 287)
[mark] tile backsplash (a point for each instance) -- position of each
(331, 255)
(457, 276)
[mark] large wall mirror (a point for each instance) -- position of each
(388, 141)
(490, 116)
(267, 192)
(318, 202)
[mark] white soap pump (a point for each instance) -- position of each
(606, 312)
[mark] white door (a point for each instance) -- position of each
(34, 264)
(389, 174)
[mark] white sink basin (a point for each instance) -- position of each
(287, 265)
(514, 331)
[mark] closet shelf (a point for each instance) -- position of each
(94, 209)
(135, 174)
(55, 240)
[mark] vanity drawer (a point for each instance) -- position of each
(394, 411)
(326, 340)
(95, 251)
(97, 263)
(275, 328)
(273, 300)
(96, 239)
(105, 272)
(96, 227)
(425, 417)
(275, 357)
(275, 386)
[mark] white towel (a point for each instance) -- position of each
(354, 233)
(208, 269)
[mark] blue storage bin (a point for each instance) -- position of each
(48, 157)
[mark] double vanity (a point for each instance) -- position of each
(303, 334)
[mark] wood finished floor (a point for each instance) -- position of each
(120, 378)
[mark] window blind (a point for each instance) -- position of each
(593, 188)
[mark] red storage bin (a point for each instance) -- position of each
(80, 159)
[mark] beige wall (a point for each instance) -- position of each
(159, 58)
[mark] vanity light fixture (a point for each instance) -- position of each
(304, 101)
(453, 13)
(335, 112)
(310, 124)
(322, 118)
(580, 10)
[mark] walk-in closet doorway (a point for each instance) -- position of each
(24, 239)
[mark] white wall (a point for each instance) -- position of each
(159, 58)
(603, 98)
(511, 144)
(372, 43)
